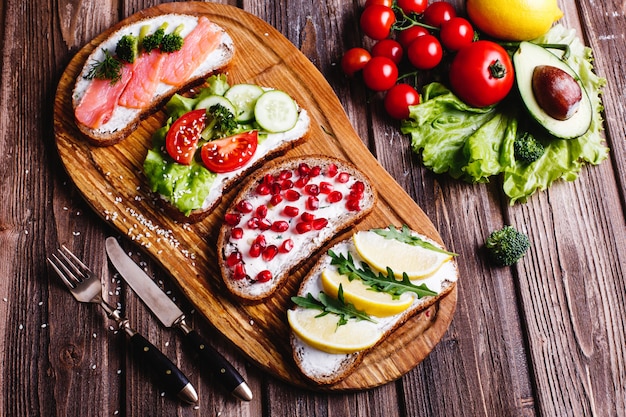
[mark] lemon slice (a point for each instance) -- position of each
(323, 333)
(380, 253)
(374, 303)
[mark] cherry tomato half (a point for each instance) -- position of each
(399, 98)
(354, 60)
(380, 74)
(425, 52)
(230, 153)
(412, 6)
(376, 21)
(481, 74)
(406, 36)
(181, 140)
(456, 33)
(389, 48)
(438, 12)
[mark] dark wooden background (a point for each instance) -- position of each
(543, 338)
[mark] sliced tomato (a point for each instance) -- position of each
(182, 139)
(230, 153)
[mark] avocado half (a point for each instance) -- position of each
(529, 56)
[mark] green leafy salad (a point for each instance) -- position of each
(475, 144)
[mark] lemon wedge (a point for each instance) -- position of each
(380, 253)
(323, 333)
(374, 303)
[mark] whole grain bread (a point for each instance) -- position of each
(358, 199)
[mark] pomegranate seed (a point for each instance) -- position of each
(232, 219)
(302, 181)
(286, 246)
(326, 187)
(307, 217)
(291, 211)
(233, 259)
(355, 195)
(315, 171)
(286, 185)
(334, 197)
(343, 177)
(275, 189)
(312, 203)
(332, 170)
(263, 189)
(239, 271)
(304, 169)
(236, 233)
(244, 206)
(358, 187)
(312, 189)
(269, 253)
(265, 224)
(264, 276)
(255, 250)
(353, 205)
(292, 195)
(319, 224)
(284, 174)
(253, 223)
(261, 211)
(276, 199)
(280, 226)
(260, 239)
(304, 227)
(268, 179)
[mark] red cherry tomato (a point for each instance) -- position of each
(181, 140)
(380, 74)
(438, 12)
(406, 36)
(481, 74)
(376, 21)
(387, 3)
(230, 153)
(389, 48)
(354, 60)
(456, 33)
(412, 6)
(399, 98)
(425, 52)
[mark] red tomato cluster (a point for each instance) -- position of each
(416, 34)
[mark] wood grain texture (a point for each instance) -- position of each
(110, 180)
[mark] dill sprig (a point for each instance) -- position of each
(109, 68)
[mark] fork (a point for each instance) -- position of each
(87, 288)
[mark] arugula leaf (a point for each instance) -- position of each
(377, 282)
(405, 236)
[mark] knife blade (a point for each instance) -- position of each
(171, 315)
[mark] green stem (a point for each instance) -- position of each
(400, 24)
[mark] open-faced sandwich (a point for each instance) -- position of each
(141, 65)
(282, 215)
(359, 293)
(213, 139)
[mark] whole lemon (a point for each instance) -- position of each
(513, 20)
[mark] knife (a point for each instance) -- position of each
(172, 316)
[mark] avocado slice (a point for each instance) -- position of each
(526, 59)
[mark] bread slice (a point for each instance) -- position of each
(124, 120)
(282, 215)
(325, 368)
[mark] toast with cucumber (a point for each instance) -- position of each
(359, 292)
(214, 139)
(139, 66)
(284, 213)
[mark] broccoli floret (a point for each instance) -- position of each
(172, 42)
(527, 149)
(221, 122)
(506, 246)
(127, 48)
(153, 41)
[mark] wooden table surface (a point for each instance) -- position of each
(543, 338)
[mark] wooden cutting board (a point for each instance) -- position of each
(110, 180)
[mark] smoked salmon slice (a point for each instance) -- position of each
(198, 44)
(140, 90)
(100, 99)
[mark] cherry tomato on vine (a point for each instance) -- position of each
(412, 6)
(182, 139)
(481, 74)
(376, 21)
(438, 12)
(389, 48)
(354, 60)
(406, 36)
(425, 52)
(399, 98)
(380, 74)
(456, 33)
(387, 3)
(229, 153)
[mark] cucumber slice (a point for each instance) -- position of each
(244, 97)
(209, 101)
(275, 111)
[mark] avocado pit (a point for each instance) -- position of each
(556, 91)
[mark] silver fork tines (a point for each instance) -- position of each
(78, 278)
